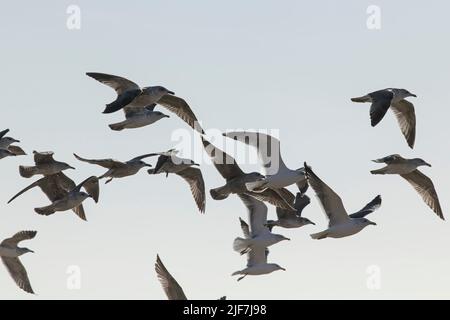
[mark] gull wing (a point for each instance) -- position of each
(368, 208)
(224, 163)
(194, 177)
(331, 203)
(425, 187)
(268, 149)
(406, 118)
(180, 107)
(171, 287)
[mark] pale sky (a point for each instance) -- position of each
(290, 66)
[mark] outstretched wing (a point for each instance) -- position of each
(368, 208)
(180, 107)
(19, 236)
(105, 163)
(224, 163)
(194, 177)
(406, 118)
(18, 273)
(171, 287)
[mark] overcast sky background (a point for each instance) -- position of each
(292, 66)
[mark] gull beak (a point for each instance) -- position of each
(196, 164)
(148, 165)
(312, 223)
(373, 223)
(171, 92)
(289, 239)
(70, 167)
(166, 116)
(31, 251)
(18, 141)
(413, 95)
(427, 164)
(283, 269)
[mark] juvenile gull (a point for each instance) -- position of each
(273, 167)
(44, 164)
(403, 110)
(143, 100)
(259, 234)
(64, 194)
(236, 179)
(407, 169)
(118, 169)
(289, 218)
(340, 223)
(10, 253)
(168, 162)
(171, 287)
(6, 147)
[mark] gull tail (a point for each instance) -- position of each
(319, 235)
(46, 211)
(365, 98)
(241, 245)
(218, 193)
(117, 126)
(27, 172)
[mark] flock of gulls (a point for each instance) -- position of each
(256, 190)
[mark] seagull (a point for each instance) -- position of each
(64, 194)
(10, 253)
(236, 179)
(138, 116)
(259, 234)
(6, 147)
(168, 162)
(44, 164)
(139, 102)
(171, 287)
(118, 169)
(257, 256)
(273, 167)
(403, 109)
(340, 223)
(292, 219)
(407, 169)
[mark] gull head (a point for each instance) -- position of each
(8, 140)
(420, 162)
(280, 237)
(277, 267)
(403, 93)
(159, 115)
(66, 166)
(306, 221)
(24, 250)
(366, 222)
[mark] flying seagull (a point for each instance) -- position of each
(259, 234)
(407, 169)
(171, 287)
(64, 194)
(257, 256)
(118, 169)
(273, 167)
(138, 116)
(236, 179)
(10, 253)
(340, 223)
(289, 218)
(6, 147)
(44, 165)
(143, 100)
(168, 162)
(403, 110)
